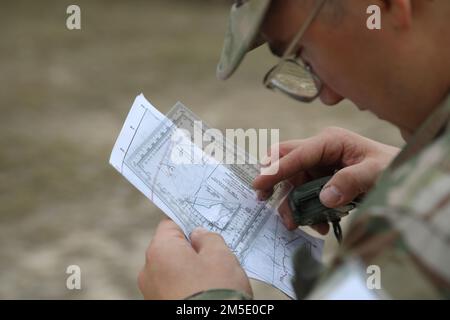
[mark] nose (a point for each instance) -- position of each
(329, 97)
(276, 48)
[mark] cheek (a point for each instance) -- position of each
(326, 61)
(344, 77)
(345, 81)
(334, 75)
(339, 61)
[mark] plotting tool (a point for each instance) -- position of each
(207, 193)
(200, 190)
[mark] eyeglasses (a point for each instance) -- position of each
(293, 76)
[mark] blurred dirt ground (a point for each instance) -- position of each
(63, 98)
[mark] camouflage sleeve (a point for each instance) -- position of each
(412, 254)
(219, 294)
(402, 228)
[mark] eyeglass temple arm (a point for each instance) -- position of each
(306, 24)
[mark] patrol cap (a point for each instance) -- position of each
(242, 35)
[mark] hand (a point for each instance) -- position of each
(176, 269)
(359, 162)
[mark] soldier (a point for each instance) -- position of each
(401, 73)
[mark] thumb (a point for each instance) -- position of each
(348, 183)
(204, 241)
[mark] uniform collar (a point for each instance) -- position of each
(435, 125)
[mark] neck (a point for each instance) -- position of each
(433, 83)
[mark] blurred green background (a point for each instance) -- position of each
(63, 98)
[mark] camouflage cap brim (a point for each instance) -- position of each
(243, 34)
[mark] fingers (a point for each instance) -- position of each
(168, 229)
(205, 241)
(288, 220)
(310, 153)
(263, 194)
(168, 239)
(322, 228)
(276, 152)
(279, 150)
(348, 183)
(286, 216)
(170, 236)
(142, 281)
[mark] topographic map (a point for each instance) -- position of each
(197, 190)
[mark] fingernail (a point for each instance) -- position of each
(259, 195)
(330, 196)
(255, 181)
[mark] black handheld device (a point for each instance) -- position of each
(308, 210)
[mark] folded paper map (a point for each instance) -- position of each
(197, 190)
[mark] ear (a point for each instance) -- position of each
(399, 13)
